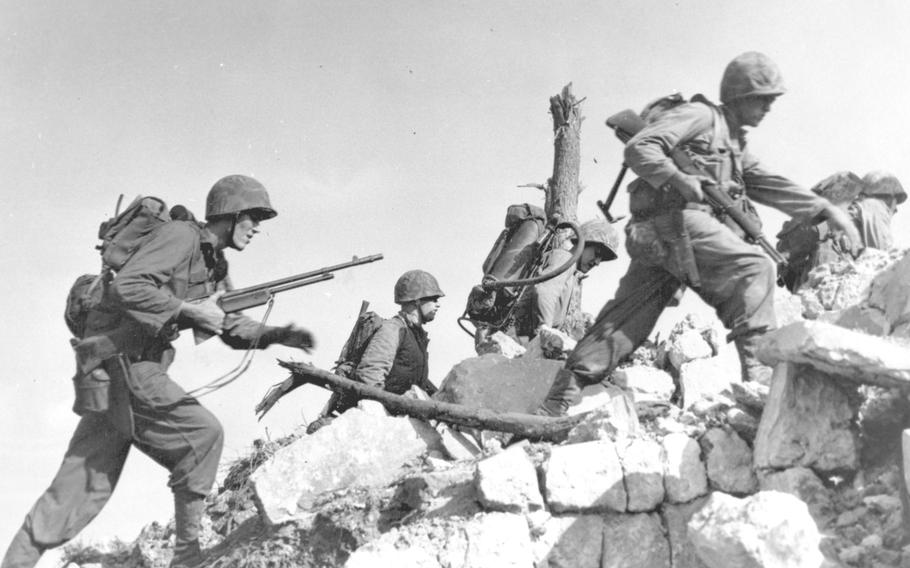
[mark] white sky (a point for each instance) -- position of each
(396, 127)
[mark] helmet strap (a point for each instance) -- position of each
(231, 242)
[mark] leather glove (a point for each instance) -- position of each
(688, 186)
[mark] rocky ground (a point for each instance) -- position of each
(677, 464)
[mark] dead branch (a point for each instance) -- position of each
(526, 425)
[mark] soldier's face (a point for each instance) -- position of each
(590, 257)
(428, 308)
(244, 229)
(752, 110)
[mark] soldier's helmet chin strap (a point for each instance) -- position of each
(231, 241)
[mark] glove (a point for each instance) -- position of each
(688, 186)
(292, 336)
(850, 239)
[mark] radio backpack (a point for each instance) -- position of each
(121, 236)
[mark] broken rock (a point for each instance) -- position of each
(358, 449)
(585, 477)
(768, 529)
(508, 482)
(729, 462)
(684, 473)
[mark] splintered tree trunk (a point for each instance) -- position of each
(525, 425)
(563, 188)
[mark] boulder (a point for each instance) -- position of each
(729, 462)
(743, 423)
(491, 539)
(684, 473)
(839, 352)
(705, 379)
(358, 449)
(497, 383)
(808, 421)
(570, 541)
(632, 541)
(768, 529)
(612, 415)
(501, 344)
(801, 482)
(889, 292)
(585, 477)
(643, 471)
(676, 518)
(842, 283)
(645, 383)
(443, 493)
(507, 482)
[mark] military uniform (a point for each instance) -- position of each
(736, 278)
(396, 357)
(873, 219)
(127, 343)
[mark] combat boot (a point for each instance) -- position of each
(752, 369)
(565, 392)
(23, 552)
(188, 509)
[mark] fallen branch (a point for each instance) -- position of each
(525, 425)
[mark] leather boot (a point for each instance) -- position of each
(23, 552)
(565, 392)
(188, 509)
(752, 368)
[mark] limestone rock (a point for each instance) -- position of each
(643, 469)
(443, 493)
(729, 462)
(860, 318)
(375, 449)
(585, 477)
(508, 482)
(890, 291)
(491, 539)
(635, 541)
(684, 473)
(687, 346)
(704, 379)
(751, 395)
(808, 421)
(497, 383)
(801, 482)
(570, 541)
(501, 344)
(768, 529)
(743, 423)
(675, 519)
(841, 352)
(612, 415)
(645, 383)
(787, 307)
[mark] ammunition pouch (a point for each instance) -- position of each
(100, 384)
(662, 240)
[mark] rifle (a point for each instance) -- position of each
(627, 124)
(622, 124)
(260, 294)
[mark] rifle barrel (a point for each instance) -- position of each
(281, 281)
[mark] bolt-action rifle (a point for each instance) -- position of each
(628, 123)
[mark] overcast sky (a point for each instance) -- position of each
(396, 127)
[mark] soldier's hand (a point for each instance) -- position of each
(850, 239)
(299, 338)
(689, 186)
(207, 314)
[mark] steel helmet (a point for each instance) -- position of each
(416, 284)
(598, 231)
(751, 73)
(236, 194)
(883, 184)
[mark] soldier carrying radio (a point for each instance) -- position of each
(125, 397)
(677, 238)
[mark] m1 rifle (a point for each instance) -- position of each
(628, 123)
(253, 296)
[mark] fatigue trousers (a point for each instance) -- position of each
(182, 436)
(737, 280)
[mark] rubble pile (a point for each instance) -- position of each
(676, 463)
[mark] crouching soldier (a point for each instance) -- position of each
(395, 359)
(129, 336)
(556, 302)
(876, 205)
